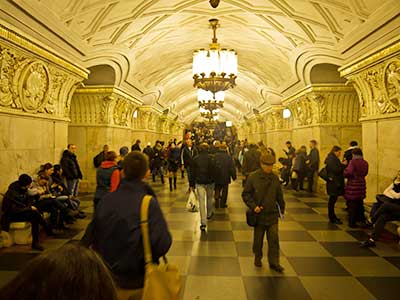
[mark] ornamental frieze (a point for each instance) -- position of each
(31, 85)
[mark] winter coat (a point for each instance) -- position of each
(202, 169)
(224, 168)
(98, 159)
(188, 155)
(149, 152)
(70, 166)
(173, 159)
(136, 147)
(313, 157)
(251, 161)
(158, 158)
(117, 235)
(107, 177)
(334, 168)
(300, 162)
(356, 188)
(15, 200)
(262, 189)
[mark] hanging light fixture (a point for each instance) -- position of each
(210, 101)
(215, 70)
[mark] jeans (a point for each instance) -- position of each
(273, 242)
(204, 193)
(73, 186)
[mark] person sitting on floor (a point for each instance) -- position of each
(69, 272)
(389, 210)
(18, 207)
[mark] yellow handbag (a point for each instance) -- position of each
(162, 281)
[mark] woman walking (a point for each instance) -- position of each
(356, 189)
(174, 154)
(335, 183)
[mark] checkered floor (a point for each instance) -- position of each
(321, 260)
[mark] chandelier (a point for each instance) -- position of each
(209, 115)
(214, 70)
(210, 101)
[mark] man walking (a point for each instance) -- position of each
(262, 193)
(188, 152)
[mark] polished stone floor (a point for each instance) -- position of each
(322, 261)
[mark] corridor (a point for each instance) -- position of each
(322, 261)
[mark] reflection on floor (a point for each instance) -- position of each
(322, 261)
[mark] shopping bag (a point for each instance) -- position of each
(162, 281)
(192, 204)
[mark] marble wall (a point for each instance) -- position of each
(35, 93)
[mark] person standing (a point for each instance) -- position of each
(173, 164)
(251, 161)
(157, 163)
(313, 164)
(99, 158)
(299, 168)
(188, 152)
(356, 188)
(107, 177)
(71, 170)
(136, 146)
(335, 183)
(262, 193)
(202, 170)
(224, 171)
(348, 154)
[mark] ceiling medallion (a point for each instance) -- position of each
(215, 69)
(214, 3)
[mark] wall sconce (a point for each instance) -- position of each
(287, 113)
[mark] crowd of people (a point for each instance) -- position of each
(123, 181)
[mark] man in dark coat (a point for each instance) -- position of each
(149, 151)
(115, 231)
(312, 164)
(262, 193)
(202, 178)
(224, 171)
(18, 206)
(136, 146)
(188, 152)
(71, 170)
(251, 161)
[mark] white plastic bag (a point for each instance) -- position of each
(192, 203)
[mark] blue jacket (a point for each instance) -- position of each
(117, 234)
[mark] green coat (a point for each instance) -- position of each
(263, 189)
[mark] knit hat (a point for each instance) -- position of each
(124, 151)
(24, 180)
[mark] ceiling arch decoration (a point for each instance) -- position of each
(149, 43)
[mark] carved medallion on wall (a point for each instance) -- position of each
(392, 84)
(122, 112)
(33, 86)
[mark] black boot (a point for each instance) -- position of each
(170, 184)
(174, 183)
(183, 174)
(162, 179)
(154, 178)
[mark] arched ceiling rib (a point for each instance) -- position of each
(152, 41)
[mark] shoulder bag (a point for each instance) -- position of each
(161, 281)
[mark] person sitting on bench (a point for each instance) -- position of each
(18, 207)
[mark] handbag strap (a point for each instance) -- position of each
(144, 224)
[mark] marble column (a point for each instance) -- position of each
(376, 78)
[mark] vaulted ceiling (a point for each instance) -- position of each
(149, 43)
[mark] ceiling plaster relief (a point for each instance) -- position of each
(268, 35)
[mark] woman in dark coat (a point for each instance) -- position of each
(356, 188)
(174, 155)
(335, 183)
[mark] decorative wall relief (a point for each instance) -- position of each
(392, 84)
(123, 112)
(31, 85)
